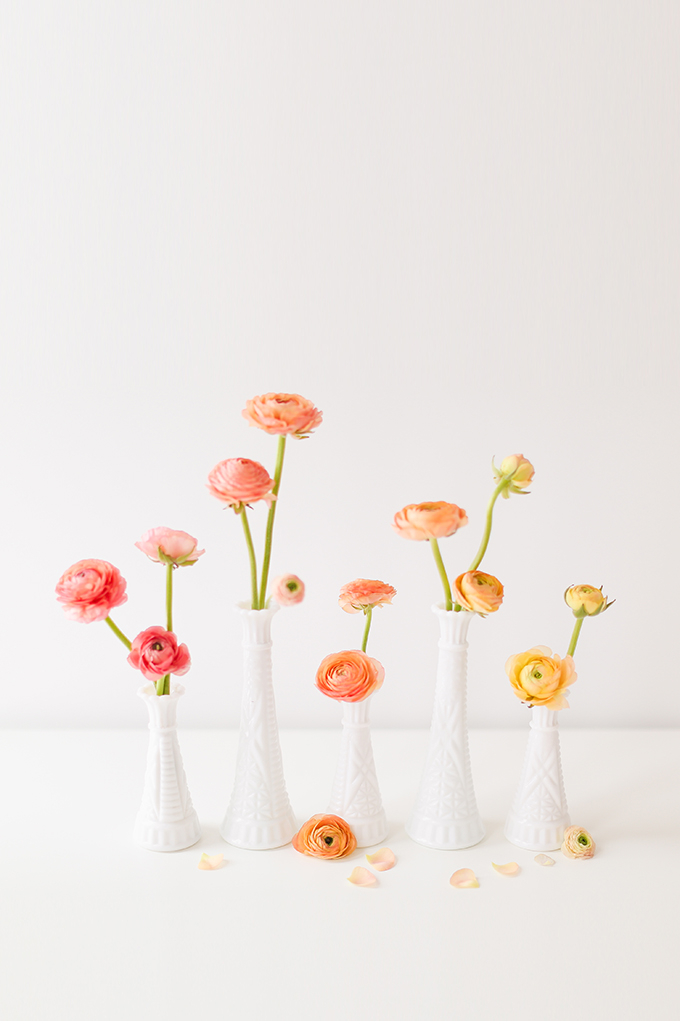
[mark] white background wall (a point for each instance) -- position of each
(453, 226)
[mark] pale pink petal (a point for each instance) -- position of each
(382, 860)
(210, 862)
(511, 869)
(362, 877)
(464, 879)
(544, 859)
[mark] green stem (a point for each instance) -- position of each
(281, 450)
(118, 633)
(574, 636)
(489, 521)
(168, 596)
(251, 554)
(163, 685)
(369, 616)
(442, 573)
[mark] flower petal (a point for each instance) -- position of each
(544, 859)
(382, 860)
(210, 862)
(511, 869)
(362, 877)
(464, 879)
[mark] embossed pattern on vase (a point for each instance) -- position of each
(355, 795)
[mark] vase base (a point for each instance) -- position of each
(536, 836)
(167, 836)
(446, 835)
(258, 834)
(368, 831)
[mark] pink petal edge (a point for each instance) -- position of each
(510, 869)
(362, 877)
(382, 860)
(464, 879)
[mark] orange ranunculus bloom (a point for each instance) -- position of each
(349, 676)
(325, 836)
(361, 594)
(540, 678)
(282, 414)
(478, 592)
(429, 520)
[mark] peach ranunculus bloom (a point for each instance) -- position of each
(169, 546)
(586, 600)
(283, 414)
(362, 594)
(577, 843)
(540, 678)
(478, 592)
(90, 589)
(429, 520)
(288, 590)
(521, 470)
(325, 836)
(238, 481)
(156, 652)
(349, 676)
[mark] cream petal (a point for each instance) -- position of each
(382, 860)
(210, 862)
(544, 859)
(464, 879)
(511, 869)
(362, 877)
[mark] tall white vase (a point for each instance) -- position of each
(356, 795)
(259, 816)
(445, 815)
(539, 815)
(166, 820)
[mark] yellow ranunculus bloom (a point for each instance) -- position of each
(585, 600)
(540, 678)
(519, 468)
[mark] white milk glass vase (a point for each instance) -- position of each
(445, 815)
(539, 815)
(166, 820)
(259, 816)
(356, 795)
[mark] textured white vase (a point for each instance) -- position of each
(356, 795)
(259, 816)
(166, 820)
(539, 815)
(445, 815)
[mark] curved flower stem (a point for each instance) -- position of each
(503, 484)
(118, 633)
(281, 450)
(574, 636)
(369, 615)
(168, 596)
(251, 554)
(442, 573)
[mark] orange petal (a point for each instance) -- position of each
(210, 862)
(362, 877)
(382, 860)
(464, 879)
(511, 869)
(544, 859)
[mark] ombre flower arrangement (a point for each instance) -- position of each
(239, 483)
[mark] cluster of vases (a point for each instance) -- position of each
(260, 817)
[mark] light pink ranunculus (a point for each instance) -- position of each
(90, 589)
(282, 414)
(239, 480)
(155, 652)
(362, 594)
(288, 589)
(169, 546)
(429, 520)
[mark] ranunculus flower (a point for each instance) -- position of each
(586, 600)
(478, 592)
(155, 652)
(349, 676)
(169, 546)
(288, 589)
(325, 836)
(282, 414)
(539, 678)
(362, 594)
(239, 480)
(429, 520)
(521, 470)
(90, 589)
(578, 843)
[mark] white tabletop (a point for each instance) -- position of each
(95, 928)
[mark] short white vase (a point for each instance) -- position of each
(356, 795)
(539, 815)
(166, 820)
(259, 816)
(445, 815)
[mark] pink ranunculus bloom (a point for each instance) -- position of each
(169, 546)
(90, 589)
(429, 520)
(362, 594)
(155, 652)
(349, 676)
(282, 414)
(288, 589)
(239, 480)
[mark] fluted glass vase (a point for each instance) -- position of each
(356, 795)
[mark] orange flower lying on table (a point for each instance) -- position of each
(325, 836)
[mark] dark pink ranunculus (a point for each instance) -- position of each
(155, 652)
(90, 589)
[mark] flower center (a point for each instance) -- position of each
(157, 647)
(328, 840)
(583, 840)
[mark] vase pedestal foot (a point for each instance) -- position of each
(446, 836)
(258, 835)
(167, 836)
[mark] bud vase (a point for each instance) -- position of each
(166, 820)
(356, 795)
(259, 816)
(445, 814)
(539, 816)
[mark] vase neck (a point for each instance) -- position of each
(544, 719)
(453, 627)
(356, 714)
(257, 626)
(162, 709)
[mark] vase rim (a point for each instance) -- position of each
(245, 607)
(149, 689)
(438, 609)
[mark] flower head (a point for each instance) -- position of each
(363, 594)
(325, 836)
(288, 589)
(283, 414)
(90, 589)
(168, 546)
(429, 520)
(541, 678)
(518, 469)
(239, 481)
(478, 592)
(578, 843)
(586, 600)
(155, 652)
(349, 676)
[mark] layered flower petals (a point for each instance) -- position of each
(518, 469)
(282, 414)
(577, 843)
(586, 600)
(170, 546)
(421, 521)
(478, 592)
(325, 836)
(90, 589)
(361, 594)
(156, 653)
(288, 590)
(540, 678)
(349, 676)
(238, 480)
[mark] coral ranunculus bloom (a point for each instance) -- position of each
(478, 592)
(349, 676)
(238, 480)
(540, 678)
(282, 414)
(156, 652)
(362, 594)
(429, 520)
(169, 546)
(325, 836)
(90, 589)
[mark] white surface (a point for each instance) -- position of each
(454, 226)
(94, 927)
